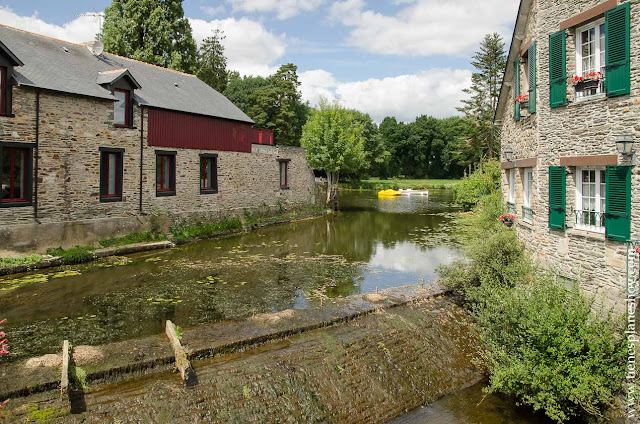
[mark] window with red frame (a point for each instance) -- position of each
(15, 175)
(121, 112)
(208, 174)
(165, 173)
(3, 88)
(111, 174)
(284, 173)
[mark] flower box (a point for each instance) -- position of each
(507, 219)
(524, 105)
(587, 85)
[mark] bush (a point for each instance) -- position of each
(75, 255)
(24, 260)
(545, 347)
(183, 232)
(132, 238)
(483, 181)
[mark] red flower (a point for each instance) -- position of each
(506, 217)
(638, 249)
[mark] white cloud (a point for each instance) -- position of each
(435, 92)
(250, 48)
(283, 8)
(425, 27)
(81, 29)
(213, 10)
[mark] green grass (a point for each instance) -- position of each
(24, 260)
(141, 237)
(399, 183)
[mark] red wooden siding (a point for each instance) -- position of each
(187, 131)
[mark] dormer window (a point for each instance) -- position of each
(122, 108)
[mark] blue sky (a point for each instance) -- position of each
(398, 57)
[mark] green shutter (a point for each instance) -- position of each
(557, 197)
(618, 64)
(516, 89)
(532, 78)
(558, 68)
(618, 215)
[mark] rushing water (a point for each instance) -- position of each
(372, 243)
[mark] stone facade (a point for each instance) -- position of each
(73, 128)
(582, 128)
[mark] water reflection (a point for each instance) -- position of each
(369, 244)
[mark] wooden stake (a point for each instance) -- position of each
(64, 379)
(182, 362)
(422, 282)
(376, 289)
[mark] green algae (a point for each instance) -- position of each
(45, 415)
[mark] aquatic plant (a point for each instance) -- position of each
(24, 260)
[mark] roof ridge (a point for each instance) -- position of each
(151, 64)
(82, 45)
(42, 35)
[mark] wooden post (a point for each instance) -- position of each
(64, 379)
(422, 282)
(182, 362)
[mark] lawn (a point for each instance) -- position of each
(415, 184)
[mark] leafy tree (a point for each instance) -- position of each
(335, 143)
(152, 31)
(374, 147)
(490, 62)
(212, 63)
(274, 102)
(393, 135)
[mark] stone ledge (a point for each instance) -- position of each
(121, 360)
(574, 232)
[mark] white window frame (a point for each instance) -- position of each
(598, 199)
(527, 182)
(512, 186)
(595, 24)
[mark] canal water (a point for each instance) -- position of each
(372, 243)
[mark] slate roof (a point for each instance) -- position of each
(59, 65)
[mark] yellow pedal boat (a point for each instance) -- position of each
(389, 193)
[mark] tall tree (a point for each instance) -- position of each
(212, 63)
(490, 62)
(374, 147)
(394, 135)
(286, 89)
(335, 143)
(152, 31)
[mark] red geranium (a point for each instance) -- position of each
(591, 76)
(522, 98)
(506, 217)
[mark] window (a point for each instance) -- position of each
(590, 199)
(208, 174)
(590, 57)
(15, 175)
(165, 173)
(3, 89)
(284, 174)
(121, 108)
(527, 212)
(111, 174)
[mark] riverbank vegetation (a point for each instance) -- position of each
(398, 183)
(543, 342)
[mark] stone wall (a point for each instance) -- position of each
(579, 129)
(74, 128)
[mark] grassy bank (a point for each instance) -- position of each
(544, 343)
(398, 183)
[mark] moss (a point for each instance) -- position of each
(77, 378)
(45, 415)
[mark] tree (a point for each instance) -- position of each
(393, 135)
(490, 62)
(152, 31)
(287, 98)
(335, 143)
(212, 63)
(374, 147)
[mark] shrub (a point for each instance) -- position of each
(545, 347)
(75, 255)
(132, 238)
(183, 232)
(481, 182)
(25, 260)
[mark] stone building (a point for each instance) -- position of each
(92, 143)
(570, 171)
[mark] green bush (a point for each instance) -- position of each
(545, 347)
(75, 255)
(481, 182)
(24, 260)
(183, 232)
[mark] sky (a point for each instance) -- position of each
(401, 58)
